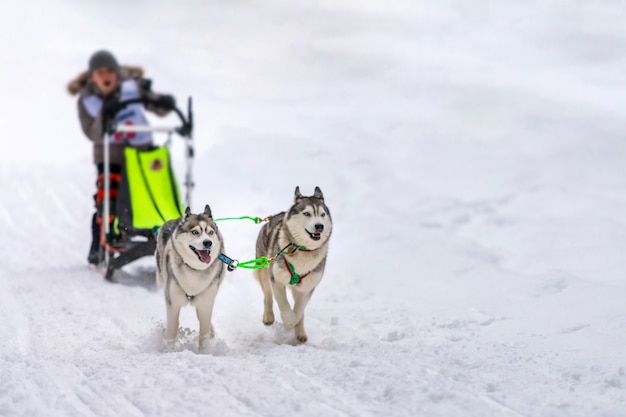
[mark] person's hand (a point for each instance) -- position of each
(166, 102)
(110, 108)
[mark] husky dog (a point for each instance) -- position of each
(188, 268)
(298, 240)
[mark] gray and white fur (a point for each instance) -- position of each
(188, 269)
(303, 233)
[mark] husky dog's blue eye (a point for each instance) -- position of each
(323, 214)
(307, 214)
(195, 232)
(211, 233)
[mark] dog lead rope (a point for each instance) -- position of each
(263, 262)
(232, 264)
(256, 220)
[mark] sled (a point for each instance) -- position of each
(148, 195)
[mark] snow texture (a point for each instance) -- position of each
(473, 158)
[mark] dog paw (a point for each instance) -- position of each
(204, 341)
(207, 332)
(170, 335)
(289, 318)
(268, 319)
(300, 332)
(168, 345)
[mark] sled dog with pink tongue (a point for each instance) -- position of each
(188, 269)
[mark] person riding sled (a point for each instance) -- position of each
(101, 90)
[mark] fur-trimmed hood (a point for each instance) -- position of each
(81, 81)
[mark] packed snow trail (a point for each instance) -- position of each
(471, 156)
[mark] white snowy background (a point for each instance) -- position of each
(473, 155)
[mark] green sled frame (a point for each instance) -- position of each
(149, 196)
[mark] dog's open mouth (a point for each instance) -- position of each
(203, 254)
(314, 236)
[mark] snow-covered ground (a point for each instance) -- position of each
(472, 155)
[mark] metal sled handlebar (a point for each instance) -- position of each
(184, 130)
(133, 128)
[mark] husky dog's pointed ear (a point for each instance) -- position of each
(187, 212)
(298, 195)
(318, 193)
(207, 211)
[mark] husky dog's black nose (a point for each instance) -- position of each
(207, 243)
(319, 228)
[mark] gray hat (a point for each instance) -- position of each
(103, 59)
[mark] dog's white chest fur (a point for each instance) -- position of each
(300, 264)
(191, 281)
